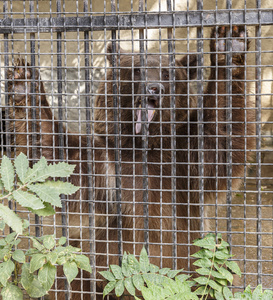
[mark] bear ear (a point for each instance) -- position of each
(118, 50)
(190, 61)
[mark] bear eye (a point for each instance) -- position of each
(165, 75)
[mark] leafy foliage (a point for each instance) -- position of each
(38, 265)
(35, 190)
(215, 272)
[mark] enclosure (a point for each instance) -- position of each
(165, 173)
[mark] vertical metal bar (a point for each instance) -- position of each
(60, 109)
(229, 121)
(60, 125)
(33, 108)
(200, 116)
(161, 151)
(216, 129)
(144, 132)
(6, 64)
(245, 169)
(116, 109)
(89, 153)
(60, 89)
(258, 141)
(171, 34)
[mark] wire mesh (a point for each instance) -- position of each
(143, 98)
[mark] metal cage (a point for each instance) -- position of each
(148, 173)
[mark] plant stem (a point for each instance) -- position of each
(19, 188)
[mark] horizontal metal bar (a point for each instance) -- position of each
(136, 20)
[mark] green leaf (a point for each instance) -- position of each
(227, 293)
(154, 268)
(52, 257)
(62, 187)
(108, 275)
(70, 270)
(202, 290)
(57, 170)
(37, 261)
(108, 288)
(11, 219)
(133, 264)
(116, 270)
(222, 255)
(144, 261)
(83, 263)
(19, 256)
(203, 263)
(201, 280)
(128, 283)
(6, 269)
(27, 199)
(228, 276)
(218, 296)
(182, 277)
(164, 271)
(268, 295)
(25, 224)
(37, 244)
(203, 271)
(257, 293)
(222, 282)
(47, 194)
(124, 266)
(31, 175)
(62, 240)
(208, 242)
(26, 276)
(5, 252)
(173, 273)
(21, 166)
(119, 288)
(138, 281)
(48, 210)
(215, 286)
(31, 284)
(233, 266)
(10, 237)
(11, 292)
(49, 241)
(46, 275)
(203, 253)
(7, 173)
(2, 225)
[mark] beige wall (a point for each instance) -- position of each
(73, 44)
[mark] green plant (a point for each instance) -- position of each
(34, 270)
(214, 273)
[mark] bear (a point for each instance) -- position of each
(145, 144)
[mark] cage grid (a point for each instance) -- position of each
(155, 169)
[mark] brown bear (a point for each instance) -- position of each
(145, 180)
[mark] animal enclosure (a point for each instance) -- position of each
(165, 109)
